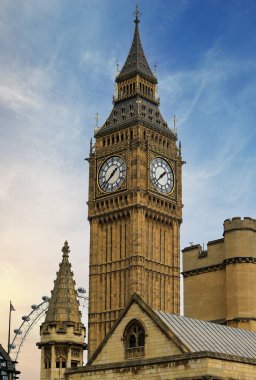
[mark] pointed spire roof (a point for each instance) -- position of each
(136, 62)
(63, 305)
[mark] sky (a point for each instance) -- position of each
(57, 68)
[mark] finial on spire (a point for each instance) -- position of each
(97, 119)
(65, 249)
(117, 68)
(137, 13)
(174, 122)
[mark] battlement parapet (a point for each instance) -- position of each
(237, 223)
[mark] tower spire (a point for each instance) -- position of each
(136, 93)
(136, 62)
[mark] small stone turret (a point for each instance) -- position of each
(62, 333)
(240, 237)
(238, 223)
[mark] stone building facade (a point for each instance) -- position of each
(173, 347)
(219, 283)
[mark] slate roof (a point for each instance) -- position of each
(136, 62)
(201, 336)
(129, 110)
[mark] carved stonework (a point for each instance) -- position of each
(75, 353)
(61, 353)
(47, 354)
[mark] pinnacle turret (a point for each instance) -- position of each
(63, 305)
(62, 333)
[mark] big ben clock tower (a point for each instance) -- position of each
(135, 205)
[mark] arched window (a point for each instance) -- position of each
(134, 339)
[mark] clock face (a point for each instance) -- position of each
(161, 175)
(112, 174)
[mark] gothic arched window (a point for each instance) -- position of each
(134, 339)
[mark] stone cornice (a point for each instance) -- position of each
(242, 319)
(159, 267)
(131, 123)
(216, 241)
(176, 360)
(61, 343)
(151, 213)
(213, 268)
(132, 73)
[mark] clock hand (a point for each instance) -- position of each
(161, 176)
(111, 175)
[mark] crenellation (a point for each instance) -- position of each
(228, 265)
(237, 223)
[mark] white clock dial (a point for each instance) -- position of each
(112, 174)
(161, 175)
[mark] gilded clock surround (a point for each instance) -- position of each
(122, 185)
(173, 175)
(134, 230)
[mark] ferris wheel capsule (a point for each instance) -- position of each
(38, 311)
(17, 331)
(25, 318)
(28, 321)
(81, 290)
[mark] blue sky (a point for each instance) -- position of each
(57, 68)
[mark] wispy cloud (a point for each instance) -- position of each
(43, 188)
(56, 71)
(217, 130)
